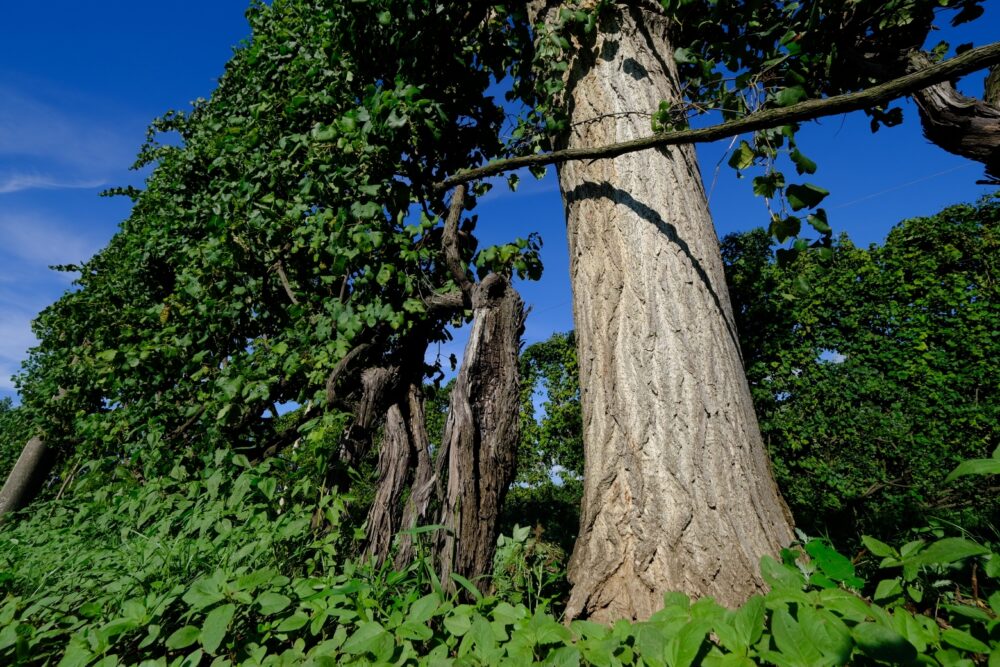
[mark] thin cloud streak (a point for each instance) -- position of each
(20, 182)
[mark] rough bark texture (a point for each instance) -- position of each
(678, 491)
(402, 435)
(26, 477)
(960, 124)
(480, 438)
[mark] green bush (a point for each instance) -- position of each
(874, 371)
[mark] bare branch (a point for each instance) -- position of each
(449, 240)
(279, 267)
(970, 61)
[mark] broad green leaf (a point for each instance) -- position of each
(789, 96)
(748, 620)
(880, 549)
(779, 575)
(887, 589)
(963, 640)
(883, 643)
(271, 603)
(803, 165)
(742, 156)
(948, 550)
(683, 648)
(805, 195)
(183, 637)
(423, 609)
(792, 641)
(370, 637)
(215, 627)
(294, 622)
(974, 467)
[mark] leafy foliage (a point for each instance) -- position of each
(222, 565)
(873, 372)
(287, 220)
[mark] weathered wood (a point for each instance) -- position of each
(960, 124)
(26, 477)
(481, 433)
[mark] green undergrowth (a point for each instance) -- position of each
(221, 565)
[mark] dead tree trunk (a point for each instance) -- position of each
(481, 434)
(26, 477)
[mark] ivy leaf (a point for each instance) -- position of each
(742, 157)
(785, 228)
(803, 165)
(805, 195)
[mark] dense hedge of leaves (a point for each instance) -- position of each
(874, 372)
(222, 566)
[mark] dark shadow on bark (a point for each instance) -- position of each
(591, 190)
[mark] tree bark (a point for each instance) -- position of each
(26, 477)
(481, 434)
(960, 124)
(678, 489)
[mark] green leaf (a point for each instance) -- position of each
(963, 640)
(888, 589)
(883, 643)
(271, 603)
(785, 228)
(792, 641)
(294, 622)
(803, 165)
(789, 96)
(215, 627)
(467, 585)
(819, 222)
(779, 575)
(948, 550)
(742, 157)
(880, 549)
(183, 638)
(683, 648)
(370, 637)
(423, 609)
(805, 195)
(974, 467)
(748, 620)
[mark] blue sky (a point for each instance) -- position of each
(79, 82)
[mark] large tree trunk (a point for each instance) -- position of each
(678, 489)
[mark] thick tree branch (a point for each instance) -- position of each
(345, 361)
(970, 61)
(449, 240)
(959, 124)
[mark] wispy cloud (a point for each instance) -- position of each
(37, 242)
(31, 128)
(18, 182)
